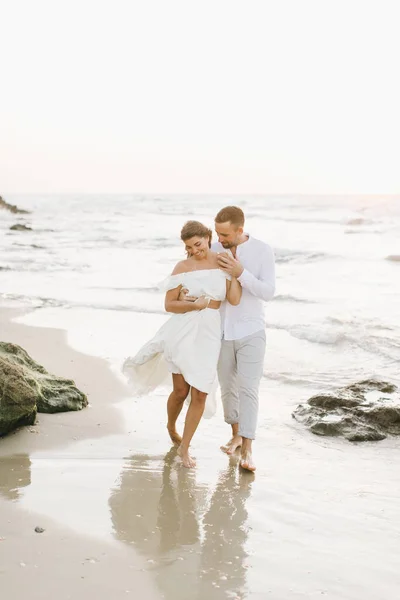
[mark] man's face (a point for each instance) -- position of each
(228, 235)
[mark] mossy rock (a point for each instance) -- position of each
(368, 410)
(12, 208)
(27, 388)
(20, 227)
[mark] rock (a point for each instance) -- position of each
(20, 227)
(39, 529)
(27, 388)
(12, 208)
(365, 411)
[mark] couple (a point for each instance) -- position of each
(217, 292)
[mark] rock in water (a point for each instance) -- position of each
(365, 411)
(20, 227)
(26, 388)
(12, 208)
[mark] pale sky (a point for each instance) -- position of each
(219, 96)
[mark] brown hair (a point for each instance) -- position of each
(195, 228)
(234, 214)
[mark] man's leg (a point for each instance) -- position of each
(229, 393)
(250, 362)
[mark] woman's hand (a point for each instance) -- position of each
(202, 302)
(184, 295)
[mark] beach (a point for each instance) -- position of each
(321, 516)
(59, 562)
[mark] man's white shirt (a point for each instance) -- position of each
(258, 286)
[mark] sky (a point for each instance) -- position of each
(203, 96)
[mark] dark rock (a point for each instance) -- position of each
(12, 208)
(39, 529)
(27, 388)
(20, 227)
(364, 411)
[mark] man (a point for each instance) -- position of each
(241, 361)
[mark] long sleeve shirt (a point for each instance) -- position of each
(258, 286)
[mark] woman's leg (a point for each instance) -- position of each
(193, 416)
(174, 405)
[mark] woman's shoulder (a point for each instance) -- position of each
(182, 267)
(214, 259)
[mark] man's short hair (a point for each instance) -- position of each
(234, 214)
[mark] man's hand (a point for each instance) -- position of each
(230, 265)
(183, 295)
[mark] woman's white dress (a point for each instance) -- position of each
(188, 343)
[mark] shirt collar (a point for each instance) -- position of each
(249, 239)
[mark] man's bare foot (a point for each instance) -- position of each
(246, 462)
(186, 459)
(174, 435)
(232, 445)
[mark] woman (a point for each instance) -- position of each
(188, 344)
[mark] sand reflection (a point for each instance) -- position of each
(193, 537)
(15, 473)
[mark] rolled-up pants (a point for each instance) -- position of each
(240, 368)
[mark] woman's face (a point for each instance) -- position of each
(197, 247)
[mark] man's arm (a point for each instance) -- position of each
(264, 287)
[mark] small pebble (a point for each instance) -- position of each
(39, 529)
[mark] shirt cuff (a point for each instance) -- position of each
(242, 278)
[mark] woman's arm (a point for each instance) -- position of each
(171, 302)
(233, 291)
(173, 305)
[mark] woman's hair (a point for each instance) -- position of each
(195, 228)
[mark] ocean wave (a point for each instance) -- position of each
(284, 256)
(374, 339)
(289, 298)
(363, 231)
(317, 334)
(359, 221)
(32, 265)
(320, 380)
(36, 301)
(36, 246)
(359, 324)
(46, 302)
(384, 346)
(150, 289)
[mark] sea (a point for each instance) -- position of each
(321, 516)
(91, 265)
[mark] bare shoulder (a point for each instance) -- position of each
(213, 257)
(182, 267)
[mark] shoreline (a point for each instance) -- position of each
(60, 563)
(92, 375)
(121, 515)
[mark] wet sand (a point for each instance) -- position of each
(60, 562)
(321, 516)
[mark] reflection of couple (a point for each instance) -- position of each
(187, 534)
(218, 288)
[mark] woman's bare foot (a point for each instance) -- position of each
(246, 461)
(174, 435)
(186, 459)
(234, 443)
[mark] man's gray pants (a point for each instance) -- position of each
(240, 368)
